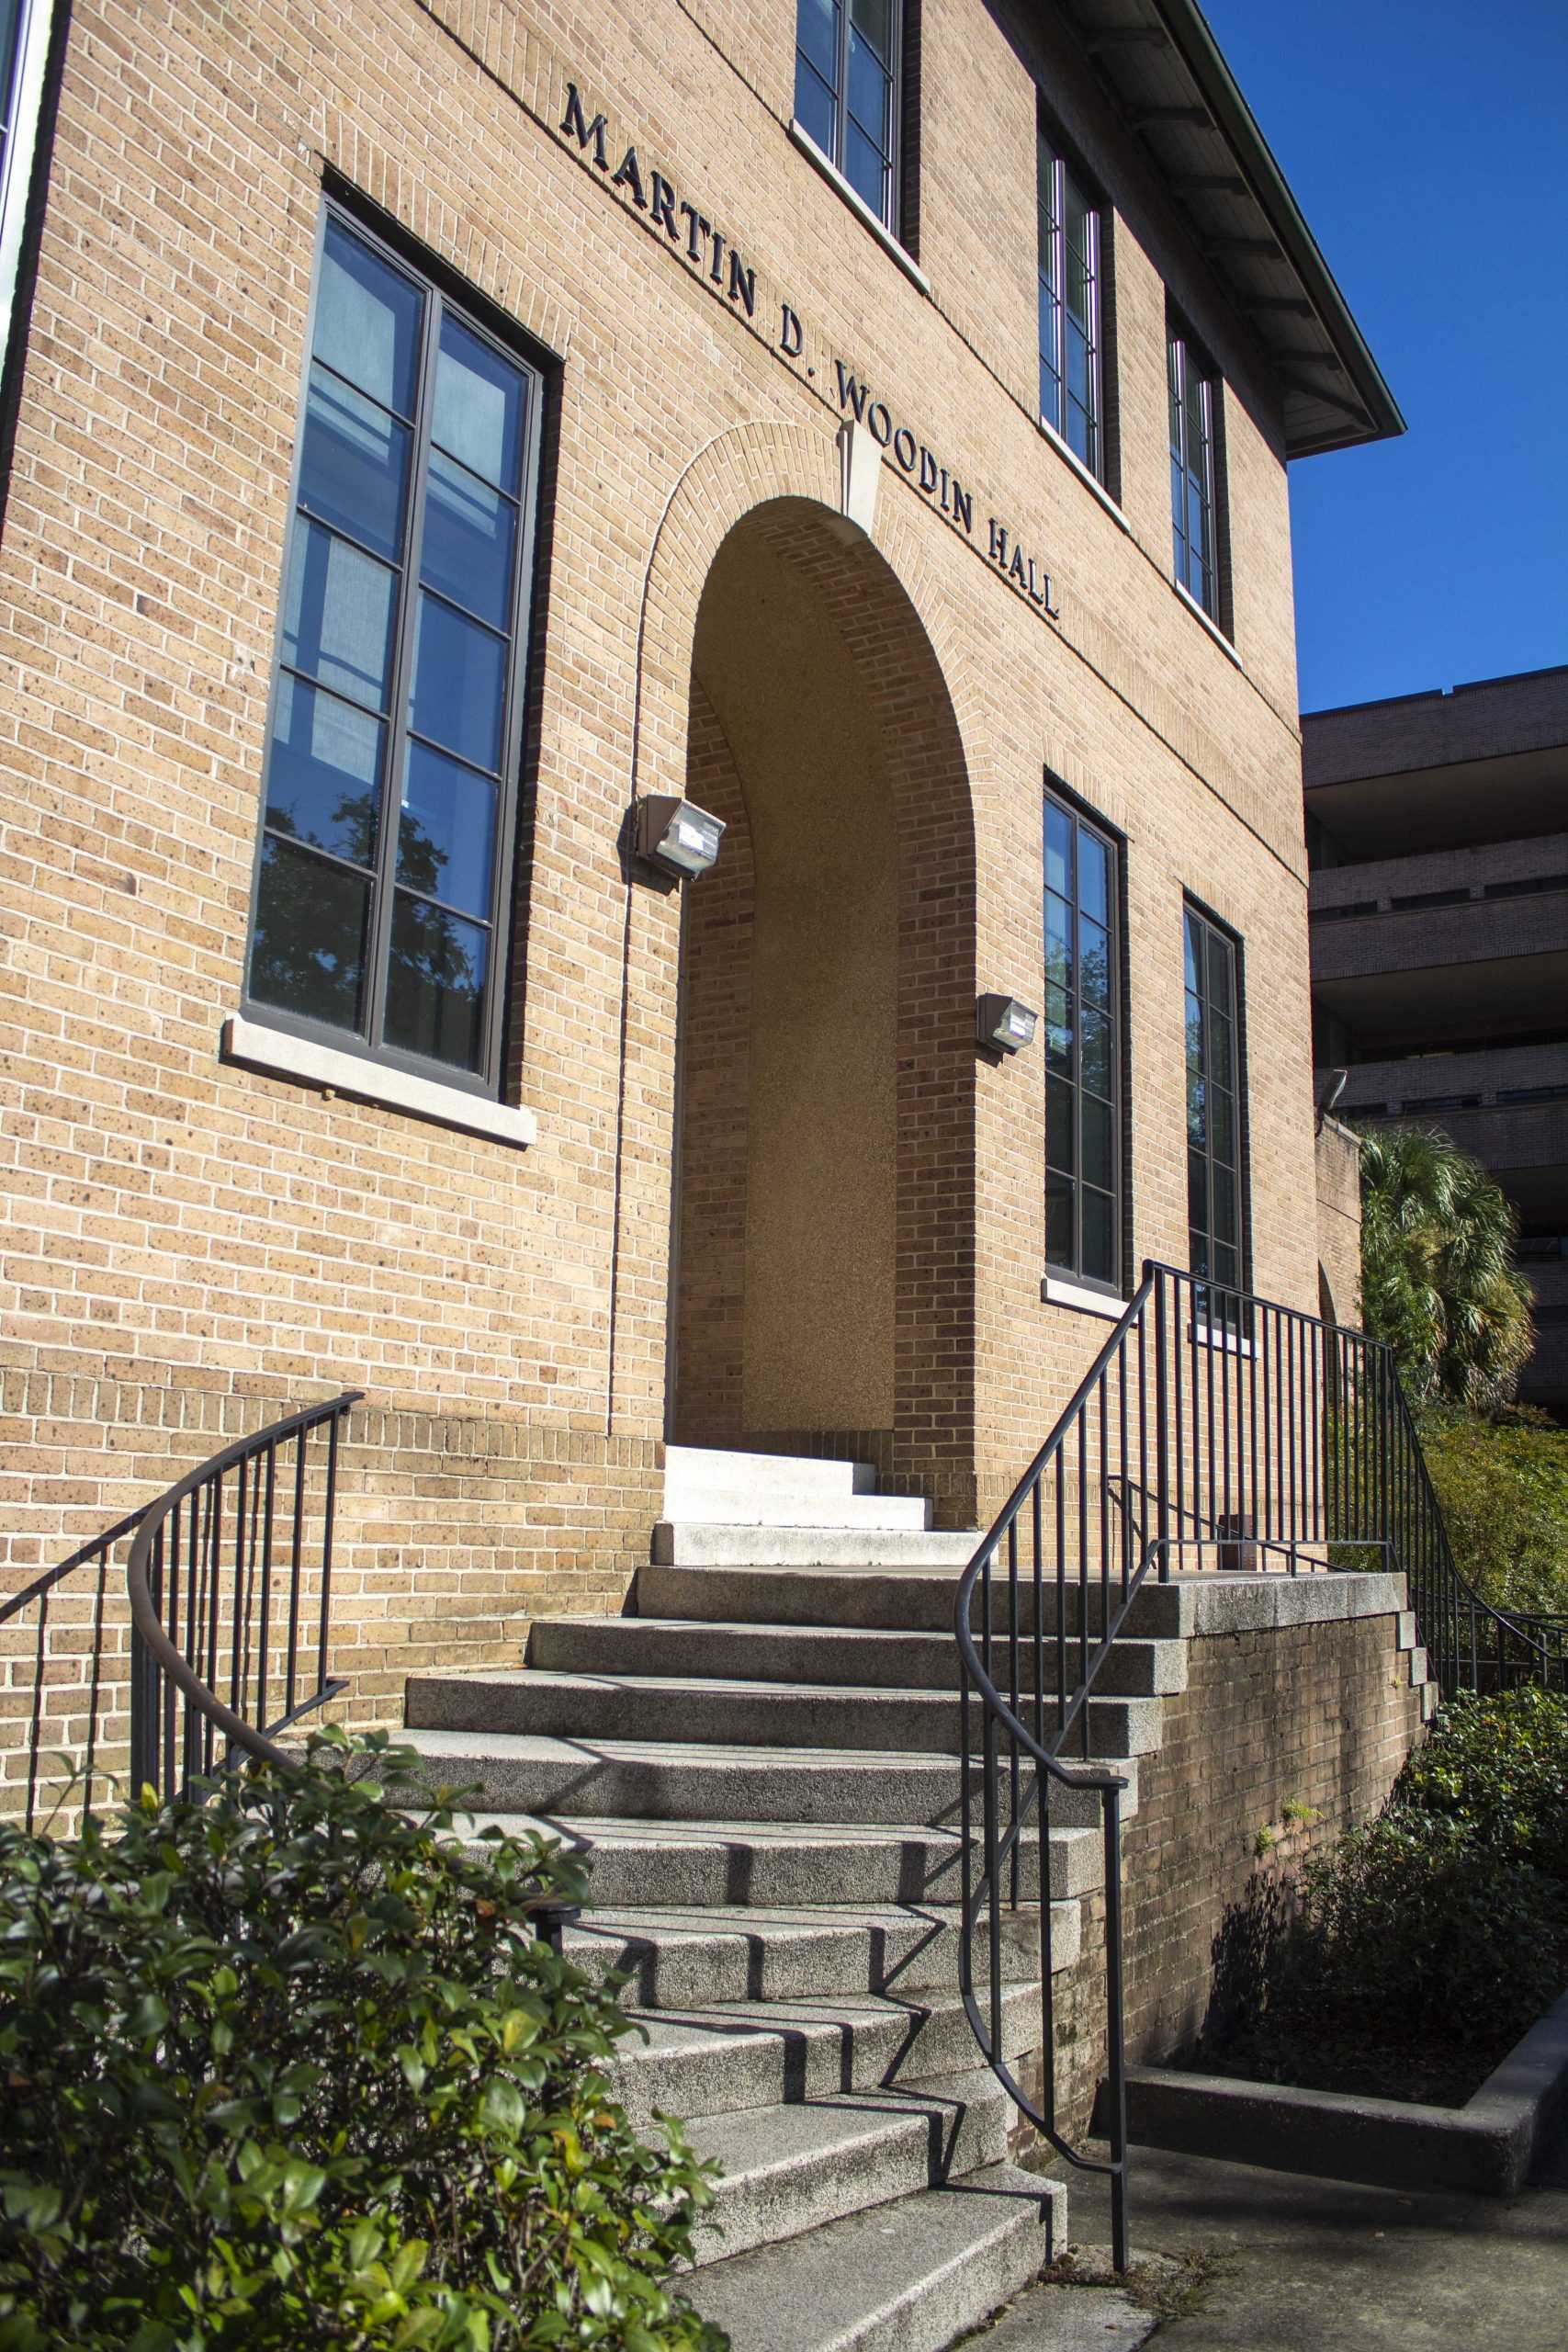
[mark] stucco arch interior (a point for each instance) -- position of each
(822, 1267)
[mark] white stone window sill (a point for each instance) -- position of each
(1216, 631)
(858, 205)
(282, 1055)
(1230, 1344)
(1055, 1292)
(1090, 481)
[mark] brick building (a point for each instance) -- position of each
(1439, 942)
(460, 455)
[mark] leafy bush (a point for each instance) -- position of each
(1502, 1485)
(1409, 1960)
(286, 2070)
(1498, 1768)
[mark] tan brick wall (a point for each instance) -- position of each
(1320, 1717)
(179, 1226)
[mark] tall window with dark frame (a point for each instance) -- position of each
(1083, 1139)
(1193, 499)
(384, 867)
(846, 93)
(1070, 307)
(1213, 1101)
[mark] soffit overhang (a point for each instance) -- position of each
(1164, 72)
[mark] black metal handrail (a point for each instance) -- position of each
(1217, 1429)
(228, 1590)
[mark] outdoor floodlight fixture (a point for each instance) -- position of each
(676, 834)
(1003, 1023)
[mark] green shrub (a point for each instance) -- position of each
(1407, 1962)
(284, 2070)
(1498, 1768)
(1502, 1485)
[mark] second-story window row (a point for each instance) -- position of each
(1070, 306)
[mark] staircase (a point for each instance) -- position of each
(762, 1764)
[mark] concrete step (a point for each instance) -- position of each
(790, 2168)
(820, 1654)
(692, 1959)
(911, 1598)
(672, 1781)
(735, 1713)
(700, 1865)
(721, 2058)
(697, 1476)
(909, 2277)
(700, 1543)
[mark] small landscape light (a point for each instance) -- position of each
(677, 834)
(1003, 1023)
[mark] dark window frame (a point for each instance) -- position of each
(1053, 152)
(1190, 371)
(890, 212)
(442, 295)
(1210, 930)
(1083, 820)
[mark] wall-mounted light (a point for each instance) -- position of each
(677, 834)
(1003, 1023)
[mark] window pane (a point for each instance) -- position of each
(873, 20)
(813, 106)
(1050, 219)
(1059, 1124)
(446, 830)
(435, 984)
(1058, 850)
(1049, 380)
(1099, 1236)
(1094, 877)
(1096, 1164)
(1097, 1052)
(816, 30)
(1223, 1109)
(1078, 434)
(459, 684)
(308, 952)
(1221, 966)
(338, 610)
(1225, 1204)
(470, 533)
(1094, 968)
(1194, 1034)
(1077, 365)
(480, 406)
(1227, 1265)
(323, 778)
(368, 320)
(1058, 940)
(1197, 1106)
(869, 93)
(1058, 1032)
(1191, 948)
(354, 465)
(1059, 1221)
(1198, 1191)
(864, 169)
(1175, 403)
(1221, 1056)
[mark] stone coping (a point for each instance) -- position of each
(1488, 2146)
(1223, 1603)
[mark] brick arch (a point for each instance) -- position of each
(874, 590)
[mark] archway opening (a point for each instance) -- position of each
(823, 1232)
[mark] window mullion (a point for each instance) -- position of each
(841, 107)
(402, 674)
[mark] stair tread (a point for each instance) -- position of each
(750, 2142)
(594, 1831)
(893, 2276)
(538, 1678)
(757, 1629)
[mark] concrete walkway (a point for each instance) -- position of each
(1314, 2265)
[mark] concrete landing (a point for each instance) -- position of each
(1314, 2265)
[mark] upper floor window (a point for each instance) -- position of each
(1083, 1124)
(1193, 496)
(383, 874)
(24, 48)
(846, 93)
(1070, 278)
(1214, 1101)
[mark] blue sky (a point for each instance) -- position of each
(1425, 143)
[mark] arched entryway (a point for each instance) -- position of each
(823, 1261)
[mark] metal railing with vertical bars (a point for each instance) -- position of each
(1215, 1431)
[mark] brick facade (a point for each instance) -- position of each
(192, 1245)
